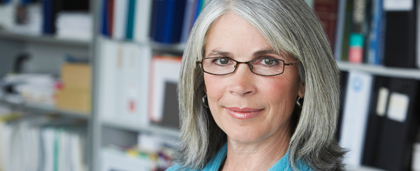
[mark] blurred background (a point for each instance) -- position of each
(91, 84)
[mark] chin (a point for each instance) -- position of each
(245, 135)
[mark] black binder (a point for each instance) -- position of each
(375, 120)
(397, 138)
(343, 87)
(400, 38)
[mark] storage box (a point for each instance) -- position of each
(75, 94)
(76, 75)
(74, 99)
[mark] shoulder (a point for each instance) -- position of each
(302, 166)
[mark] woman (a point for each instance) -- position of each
(246, 69)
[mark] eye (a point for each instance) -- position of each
(269, 61)
(222, 61)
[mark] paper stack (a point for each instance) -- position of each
(74, 25)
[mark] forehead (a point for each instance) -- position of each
(231, 31)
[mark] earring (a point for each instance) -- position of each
(204, 100)
(299, 102)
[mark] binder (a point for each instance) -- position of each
(377, 109)
(142, 21)
(104, 18)
(157, 19)
(168, 21)
(400, 126)
(124, 83)
(375, 50)
(355, 116)
(341, 14)
(347, 28)
(418, 36)
(400, 33)
(163, 98)
(135, 89)
(129, 33)
(359, 31)
(171, 110)
(326, 11)
(178, 21)
(120, 19)
(188, 20)
(110, 18)
(50, 8)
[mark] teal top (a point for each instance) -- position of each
(214, 164)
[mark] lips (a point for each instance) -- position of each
(243, 113)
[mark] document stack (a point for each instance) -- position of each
(74, 25)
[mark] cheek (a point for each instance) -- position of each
(280, 93)
(214, 89)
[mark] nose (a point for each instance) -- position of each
(242, 81)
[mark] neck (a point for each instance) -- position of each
(256, 156)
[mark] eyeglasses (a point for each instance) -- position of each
(264, 66)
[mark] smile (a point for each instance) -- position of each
(243, 113)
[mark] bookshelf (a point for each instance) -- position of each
(12, 43)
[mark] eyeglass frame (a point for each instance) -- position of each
(250, 66)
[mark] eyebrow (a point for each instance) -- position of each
(218, 52)
(258, 53)
(266, 51)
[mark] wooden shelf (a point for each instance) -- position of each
(410, 73)
(155, 129)
(45, 109)
(44, 39)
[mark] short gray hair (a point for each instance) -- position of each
(292, 27)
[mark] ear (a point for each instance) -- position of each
(301, 92)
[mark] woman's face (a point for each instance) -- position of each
(249, 108)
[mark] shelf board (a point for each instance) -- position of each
(169, 48)
(155, 129)
(47, 109)
(410, 73)
(45, 39)
(175, 48)
(362, 168)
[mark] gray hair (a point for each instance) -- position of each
(289, 26)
